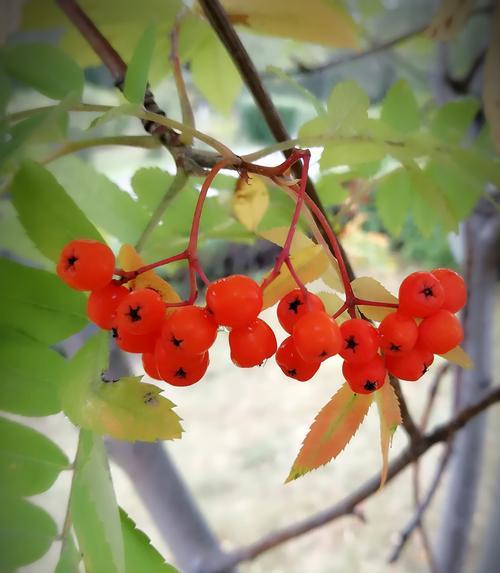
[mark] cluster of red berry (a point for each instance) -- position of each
(174, 342)
(404, 344)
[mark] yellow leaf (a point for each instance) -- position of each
(449, 19)
(327, 23)
(332, 303)
(278, 237)
(331, 276)
(250, 201)
(309, 264)
(390, 419)
(460, 357)
(130, 260)
(491, 80)
(370, 289)
(331, 431)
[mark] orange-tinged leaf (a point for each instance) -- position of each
(491, 80)
(449, 19)
(390, 419)
(331, 431)
(370, 289)
(130, 260)
(327, 23)
(460, 357)
(309, 264)
(250, 201)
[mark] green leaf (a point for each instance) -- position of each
(140, 555)
(120, 21)
(125, 409)
(477, 165)
(27, 532)
(32, 376)
(330, 190)
(150, 184)
(14, 240)
(432, 197)
(19, 134)
(399, 108)
(331, 431)
(453, 119)
(45, 68)
(29, 462)
(351, 153)
(460, 189)
(393, 200)
(94, 510)
(70, 557)
(347, 107)
(215, 75)
(39, 303)
(49, 216)
(136, 77)
(101, 200)
(123, 110)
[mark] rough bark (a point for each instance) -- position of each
(482, 259)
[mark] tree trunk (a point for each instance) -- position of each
(482, 259)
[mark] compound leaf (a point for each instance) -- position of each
(250, 201)
(400, 109)
(136, 77)
(369, 289)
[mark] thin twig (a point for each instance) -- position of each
(346, 507)
(422, 506)
(174, 189)
(224, 29)
(431, 397)
(407, 419)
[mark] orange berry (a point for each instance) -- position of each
(455, 289)
(102, 304)
(235, 300)
(294, 305)
(140, 312)
(398, 333)
(367, 377)
(86, 265)
(316, 336)
(251, 345)
(360, 341)
(189, 329)
(410, 365)
(440, 332)
(292, 364)
(420, 294)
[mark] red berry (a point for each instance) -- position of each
(367, 377)
(189, 329)
(398, 333)
(411, 365)
(292, 364)
(440, 332)
(360, 341)
(316, 336)
(235, 300)
(455, 289)
(149, 365)
(135, 343)
(102, 304)
(251, 345)
(140, 312)
(86, 265)
(293, 306)
(420, 294)
(180, 369)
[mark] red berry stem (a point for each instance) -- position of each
(284, 256)
(364, 302)
(130, 275)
